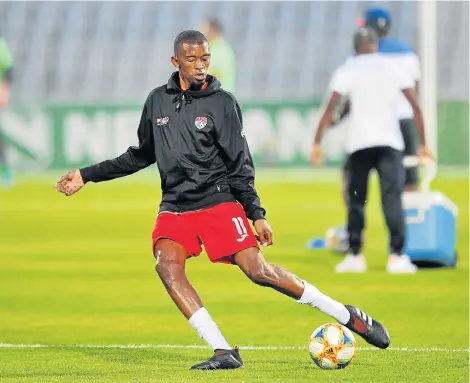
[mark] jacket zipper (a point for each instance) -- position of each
(179, 107)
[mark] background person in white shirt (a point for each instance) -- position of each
(374, 141)
(404, 58)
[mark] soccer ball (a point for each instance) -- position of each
(332, 346)
(337, 239)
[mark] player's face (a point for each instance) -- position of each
(193, 62)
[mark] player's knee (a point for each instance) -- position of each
(168, 271)
(163, 268)
(169, 261)
(255, 267)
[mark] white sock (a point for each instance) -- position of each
(207, 329)
(313, 297)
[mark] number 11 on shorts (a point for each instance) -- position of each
(241, 229)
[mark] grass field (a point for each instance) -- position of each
(77, 273)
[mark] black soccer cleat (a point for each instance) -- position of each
(221, 360)
(372, 331)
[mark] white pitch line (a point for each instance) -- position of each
(254, 348)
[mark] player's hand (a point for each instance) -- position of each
(70, 183)
(316, 157)
(424, 154)
(265, 234)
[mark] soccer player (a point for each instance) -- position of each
(193, 130)
(223, 63)
(6, 76)
(374, 141)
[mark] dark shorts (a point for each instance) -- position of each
(408, 130)
(222, 229)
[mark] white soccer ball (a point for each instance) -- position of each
(337, 239)
(332, 346)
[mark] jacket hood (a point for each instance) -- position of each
(186, 96)
(213, 85)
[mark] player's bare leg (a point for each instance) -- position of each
(171, 260)
(252, 262)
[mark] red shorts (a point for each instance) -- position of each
(223, 229)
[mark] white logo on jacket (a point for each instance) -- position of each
(162, 121)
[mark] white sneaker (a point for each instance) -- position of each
(352, 264)
(400, 264)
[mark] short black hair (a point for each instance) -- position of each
(214, 23)
(365, 35)
(189, 37)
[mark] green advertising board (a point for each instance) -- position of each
(279, 134)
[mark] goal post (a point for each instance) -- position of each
(428, 57)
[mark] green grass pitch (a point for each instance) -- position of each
(79, 271)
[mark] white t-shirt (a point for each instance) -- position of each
(374, 88)
(403, 57)
(409, 63)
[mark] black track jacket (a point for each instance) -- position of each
(196, 138)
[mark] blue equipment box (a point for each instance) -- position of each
(431, 228)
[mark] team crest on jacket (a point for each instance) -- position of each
(200, 122)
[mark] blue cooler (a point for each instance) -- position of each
(431, 228)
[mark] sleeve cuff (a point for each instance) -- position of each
(257, 214)
(86, 174)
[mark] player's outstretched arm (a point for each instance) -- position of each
(241, 173)
(134, 159)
